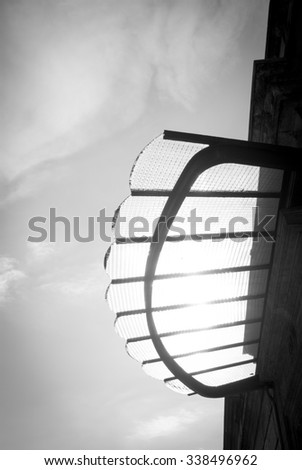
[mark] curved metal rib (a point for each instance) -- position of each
(220, 152)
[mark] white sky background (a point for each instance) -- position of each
(85, 85)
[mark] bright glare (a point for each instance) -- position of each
(200, 290)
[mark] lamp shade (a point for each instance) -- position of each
(190, 260)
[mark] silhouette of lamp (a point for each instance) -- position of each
(190, 262)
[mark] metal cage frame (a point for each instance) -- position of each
(219, 151)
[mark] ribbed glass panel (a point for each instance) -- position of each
(189, 342)
(142, 350)
(127, 260)
(187, 256)
(126, 297)
(132, 326)
(138, 215)
(177, 386)
(194, 256)
(161, 163)
(205, 316)
(207, 288)
(204, 361)
(234, 177)
(220, 215)
(195, 289)
(232, 374)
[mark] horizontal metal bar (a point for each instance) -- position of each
(159, 309)
(214, 369)
(199, 237)
(188, 305)
(199, 138)
(201, 351)
(285, 157)
(158, 277)
(223, 194)
(196, 330)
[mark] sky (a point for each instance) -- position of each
(85, 85)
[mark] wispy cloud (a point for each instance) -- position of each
(40, 251)
(10, 277)
(73, 72)
(31, 180)
(87, 282)
(164, 425)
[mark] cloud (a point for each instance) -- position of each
(76, 285)
(10, 277)
(198, 43)
(40, 251)
(31, 180)
(74, 72)
(164, 425)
